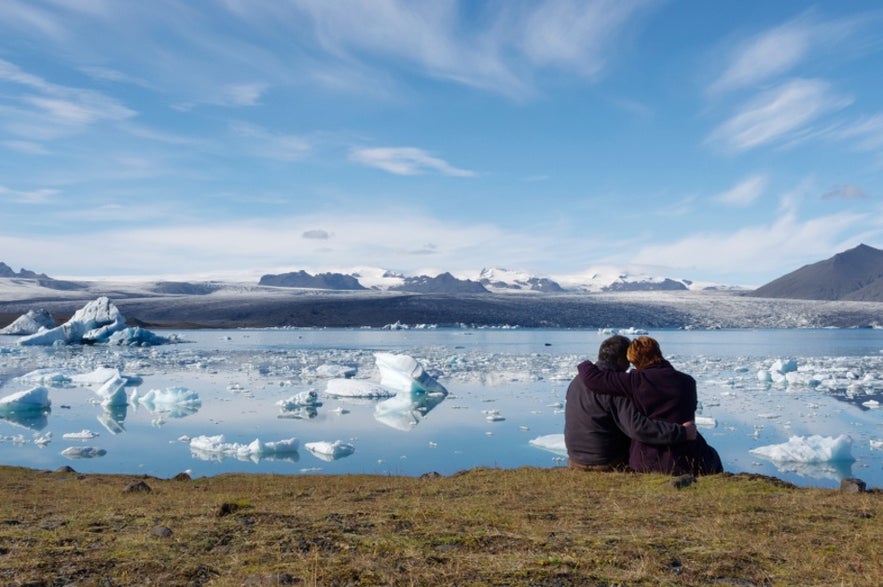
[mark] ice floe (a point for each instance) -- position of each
(216, 447)
(330, 451)
(550, 442)
(356, 388)
(83, 452)
(34, 399)
(808, 449)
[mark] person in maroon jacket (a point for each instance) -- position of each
(598, 428)
(660, 392)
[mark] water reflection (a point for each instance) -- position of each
(405, 410)
(31, 419)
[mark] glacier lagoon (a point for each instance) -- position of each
(506, 387)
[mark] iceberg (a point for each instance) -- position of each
(177, 401)
(31, 400)
(404, 373)
(215, 448)
(309, 398)
(341, 371)
(48, 376)
(808, 449)
(330, 451)
(97, 321)
(84, 434)
(550, 442)
(31, 323)
(356, 388)
(99, 376)
(113, 391)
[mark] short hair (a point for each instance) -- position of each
(613, 350)
(644, 351)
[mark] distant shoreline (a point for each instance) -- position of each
(329, 309)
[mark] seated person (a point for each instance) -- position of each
(659, 391)
(598, 428)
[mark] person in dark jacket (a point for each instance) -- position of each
(598, 428)
(660, 392)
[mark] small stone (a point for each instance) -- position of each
(138, 487)
(682, 481)
(162, 532)
(852, 485)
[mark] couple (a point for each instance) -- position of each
(640, 420)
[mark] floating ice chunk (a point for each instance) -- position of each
(404, 373)
(94, 322)
(784, 366)
(34, 399)
(309, 398)
(330, 451)
(871, 403)
(30, 323)
(96, 377)
(176, 402)
(43, 440)
(493, 415)
(113, 392)
(53, 377)
(876, 444)
(808, 449)
(83, 452)
(136, 336)
(356, 388)
(84, 434)
(705, 422)
(550, 442)
(209, 447)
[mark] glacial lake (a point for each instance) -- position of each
(505, 387)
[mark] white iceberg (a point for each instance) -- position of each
(84, 434)
(309, 398)
(330, 451)
(48, 376)
(34, 399)
(177, 401)
(31, 323)
(94, 322)
(705, 422)
(99, 376)
(113, 391)
(550, 442)
(403, 373)
(356, 388)
(808, 449)
(214, 447)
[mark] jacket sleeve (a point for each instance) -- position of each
(607, 382)
(637, 426)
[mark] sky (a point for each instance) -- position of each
(729, 142)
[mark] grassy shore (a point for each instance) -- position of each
(481, 527)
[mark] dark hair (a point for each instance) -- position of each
(613, 351)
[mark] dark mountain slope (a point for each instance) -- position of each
(856, 274)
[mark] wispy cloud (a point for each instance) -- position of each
(777, 51)
(316, 234)
(41, 196)
(405, 161)
(786, 241)
(745, 192)
(867, 133)
(48, 110)
(27, 147)
(778, 114)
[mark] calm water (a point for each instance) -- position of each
(240, 375)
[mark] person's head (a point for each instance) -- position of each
(644, 351)
(613, 352)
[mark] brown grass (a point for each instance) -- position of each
(482, 527)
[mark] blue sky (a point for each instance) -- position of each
(718, 141)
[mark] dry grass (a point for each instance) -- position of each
(482, 527)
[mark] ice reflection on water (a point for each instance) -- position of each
(241, 376)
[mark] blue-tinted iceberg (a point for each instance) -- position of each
(404, 374)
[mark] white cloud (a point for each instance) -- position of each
(743, 193)
(405, 161)
(868, 132)
(27, 147)
(244, 94)
(41, 196)
(784, 242)
(778, 114)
